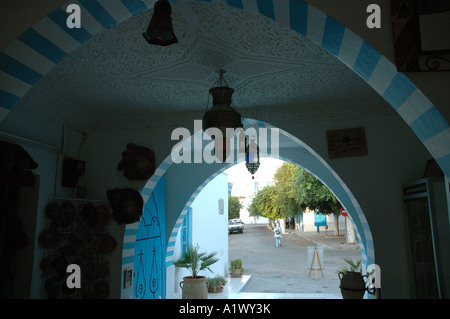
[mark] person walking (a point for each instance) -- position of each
(286, 223)
(277, 232)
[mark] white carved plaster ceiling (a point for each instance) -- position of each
(117, 80)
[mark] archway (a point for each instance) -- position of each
(182, 198)
(43, 46)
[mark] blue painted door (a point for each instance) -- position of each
(149, 258)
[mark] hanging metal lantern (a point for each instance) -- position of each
(252, 156)
(222, 115)
(160, 29)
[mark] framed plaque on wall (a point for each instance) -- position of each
(346, 143)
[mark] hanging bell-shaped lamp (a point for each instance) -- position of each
(160, 29)
(222, 115)
(252, 157)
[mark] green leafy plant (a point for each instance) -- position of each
(196, 261)
(354, 266)
(236, 264)
(215, 282)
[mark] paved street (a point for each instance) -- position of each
(285, 269)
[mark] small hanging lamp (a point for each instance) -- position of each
(160, 29)
(222, 115)
(251, 156)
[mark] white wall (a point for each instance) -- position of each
(209, 227)
(209, 230)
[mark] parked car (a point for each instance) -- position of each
(235, 226)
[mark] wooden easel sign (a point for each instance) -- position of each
(315, 255)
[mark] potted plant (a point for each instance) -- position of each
(352, 282)
(194, 286)
(215, 284)
(236, 267)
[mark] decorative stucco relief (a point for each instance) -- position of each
(117, 75)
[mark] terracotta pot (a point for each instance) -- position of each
(194, 288)
(352, 285)
(218, 289)
(234, 273)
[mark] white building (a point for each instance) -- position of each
(205, 225)
(244, 187)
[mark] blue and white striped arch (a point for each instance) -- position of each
(40, 48)
(320, 169)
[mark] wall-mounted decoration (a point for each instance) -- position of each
(16, 167)
(127, 205)
(138, 162)
(421, 30)
(72, 170)
(346, 143)
(127, 277)
(77, 234)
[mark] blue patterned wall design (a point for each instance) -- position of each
(149, 258)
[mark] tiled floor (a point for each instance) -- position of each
(233, 290)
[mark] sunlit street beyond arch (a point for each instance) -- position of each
(285, 272)
(285, 269)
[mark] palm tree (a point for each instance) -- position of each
(196, 261)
